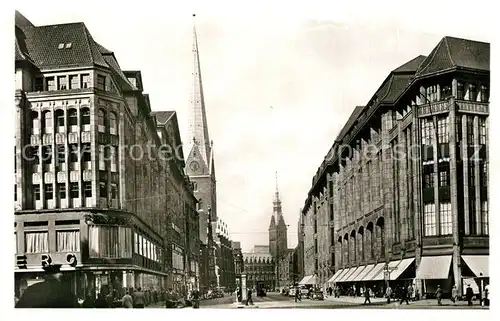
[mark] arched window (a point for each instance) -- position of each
(47, 122)
(112, 124)
(35, 123)
(85, 116)
(73, 120)
(101, 121)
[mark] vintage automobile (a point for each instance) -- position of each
(292, 291)
(317, 295)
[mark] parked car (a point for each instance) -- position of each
(317, 295)
(291, 292)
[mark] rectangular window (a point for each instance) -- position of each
(460, 90)
(73, 153)
(102, 158)
(458, 128)
(103, 193)
(445, 218)
(485, 96)
(74, 190)
(36, 192)
(484, 174)
(427, 131)
(74, 82)
(101, 82)
(472, 92)
(113, 159)
(430, 228)
(114, 191)
(49, 191)
(68, 241)
(62, 83)
(443, 129)
(472, 216)
(482, 130)
(470, 130)
(445, 92)
(136, 243)
(61, 190)
(485, 218)
(444, 174)
(38, 84)
(472, 175)
(51, 83)
(87, 189)
(110, 241)
(85, 81)
(428, 171)
(36, 242)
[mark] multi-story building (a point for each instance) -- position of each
(201, 171)
(224, 263)
(238, 262)
(299, 250)
(260, 267)
(182, 245)
(405, 185)
(285, 267)
(91, 188)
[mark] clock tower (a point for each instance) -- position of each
(200, 167)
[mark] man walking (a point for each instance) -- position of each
(388, 293)
(249, 297)
(367, 296)
(469, 294)
(404, 295)
(297, 294)
(439, 294)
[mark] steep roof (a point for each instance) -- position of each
(43, 44)
(354, 116)
(162, 116)
(456, 53)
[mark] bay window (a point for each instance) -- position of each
(108, 241)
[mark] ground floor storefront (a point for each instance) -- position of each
(425, 277)
(90, 281)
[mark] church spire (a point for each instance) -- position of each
(277, 201)
(198, 128)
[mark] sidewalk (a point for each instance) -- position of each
(430, 303)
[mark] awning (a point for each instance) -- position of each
(365, 272)
(374, 272)
(434, 267)
(356, 276)
(313, 280)
(354, 273)
(305, 279)
(344, 277)
(336, 275)
(380, 275)
(400, 268)
(479, 264)
(341, 276)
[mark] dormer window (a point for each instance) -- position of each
(69, 45)
(61, 46)
(62, 83)
(101, 82)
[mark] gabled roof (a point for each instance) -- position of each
(456, 53)
(410, 66)
(43, 46)
(162, 116)
(354, 116)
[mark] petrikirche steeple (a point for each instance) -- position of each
(198, 129)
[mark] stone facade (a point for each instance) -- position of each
(408, 178)
(260, 266)
(88, 171)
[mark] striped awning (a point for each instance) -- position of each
(374, 272)
(305, 279)
(380, 275)
(343, 278)
(356, 275)
(335, 276)
(353, 274)
(365, 272)
(400, 268)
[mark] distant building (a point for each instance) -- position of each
(286, 275)
(259, 266)
(409, 201)
(224, 263)
(238, 262)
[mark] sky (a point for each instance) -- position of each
(278, 85)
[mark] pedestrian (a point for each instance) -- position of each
(297, 295)
(410, 292)
(439, 294)
(138, 299)
(53, 292)
(249, 297)
(127, 301)
(487, 295)
(469, 294)
(196, 299)
(367, 295)
(454, 294)
(388, 293)
(404, 295)
(88, 302)
(100, 302)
